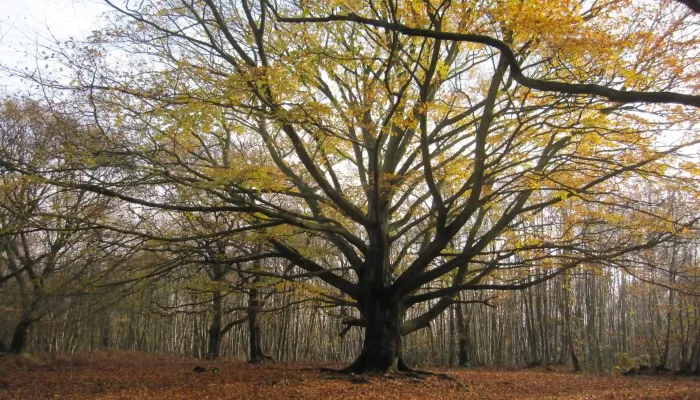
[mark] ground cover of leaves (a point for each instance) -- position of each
(137, 376)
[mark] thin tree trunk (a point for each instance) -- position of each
(567, 320)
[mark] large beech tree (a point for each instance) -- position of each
(418, 141)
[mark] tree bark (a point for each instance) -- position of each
(106, 330)
(254, 331)
(463, 334)
(214, 350)
(380, 309)
(567, 321)
(381, 347)
(19, 338)
(451, 344)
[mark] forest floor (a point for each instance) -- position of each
(119, 375)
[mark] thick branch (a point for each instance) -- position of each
(324, 274)
(692, 4)
(621, 96)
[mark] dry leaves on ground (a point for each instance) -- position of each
(137, 376)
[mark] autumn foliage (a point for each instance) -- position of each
(381, 168)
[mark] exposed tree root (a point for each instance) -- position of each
(261, 358)
(343, 371)
(402, 367)
(402, 371)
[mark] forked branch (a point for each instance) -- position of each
(516, 72)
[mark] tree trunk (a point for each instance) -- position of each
(19, 339)
(463, 334)
(214, 350)
(106, 330)
(254, 332)
(381, 348)
(567, 321)
(380, 311)
(669, 313)
(451, 343)
(568, 329)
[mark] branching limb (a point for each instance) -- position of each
(620, 96)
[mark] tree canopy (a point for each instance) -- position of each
(399, 151)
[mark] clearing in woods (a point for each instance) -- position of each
(139, 376)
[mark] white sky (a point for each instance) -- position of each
(20, 19)
(24, 23)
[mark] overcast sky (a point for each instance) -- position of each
(24, 23)
(25, 19)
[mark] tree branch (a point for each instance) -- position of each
(620, 96)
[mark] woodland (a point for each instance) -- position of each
(377, 187)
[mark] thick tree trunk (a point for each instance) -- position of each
(381, 348)
(214, 350)
(255, 346)
(19, 339)
(106, 329)
(379, 308)
(463, 334)
(463, 352)
(254, 332)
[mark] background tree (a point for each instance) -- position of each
(47, 246)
